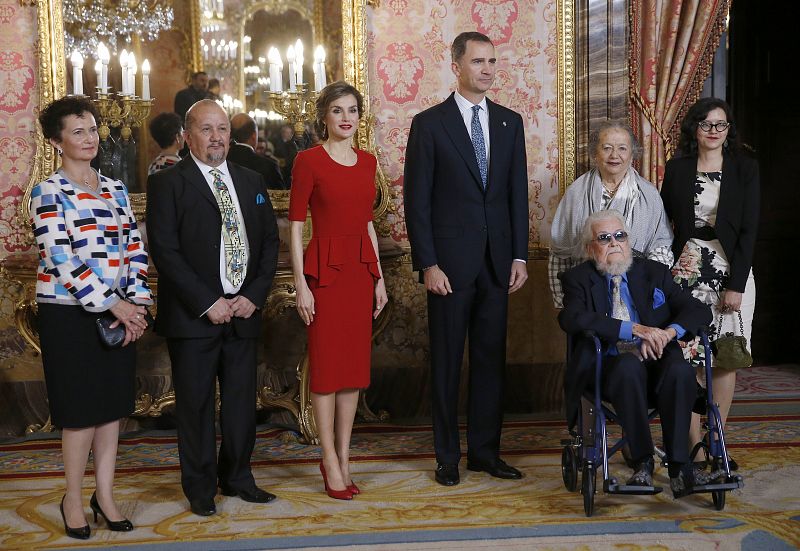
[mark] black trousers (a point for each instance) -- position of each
(671, 380)
(196, 365)
(479, 312)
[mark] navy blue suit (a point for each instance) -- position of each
(473, 235)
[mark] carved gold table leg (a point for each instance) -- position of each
(308, 427)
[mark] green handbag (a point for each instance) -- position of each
(730, 351)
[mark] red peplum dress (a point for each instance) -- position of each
(339, 264)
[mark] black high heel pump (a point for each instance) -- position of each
(123, 525)
(81, 533)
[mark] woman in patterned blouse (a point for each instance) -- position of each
(167, 131)
(92, 262)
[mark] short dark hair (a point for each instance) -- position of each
(243, 132)
(687, 144)
(328, 95)
(213, 82)
(198, 73)
(460, 44)
(52, 117)
(164, 127)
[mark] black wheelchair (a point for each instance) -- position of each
(588, 448)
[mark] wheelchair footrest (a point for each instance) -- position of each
(732, 482)
(612, 487)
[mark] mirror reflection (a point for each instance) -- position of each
(231, 46)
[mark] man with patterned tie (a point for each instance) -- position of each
(214, 241)
(466, 207)
(639, 312)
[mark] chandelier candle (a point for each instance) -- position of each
(77, 73)
(146, 80)
(105, 56)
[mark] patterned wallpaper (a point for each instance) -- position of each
(409, 63)
(18, 103)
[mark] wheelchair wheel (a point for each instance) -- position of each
(569, 468)
(587, 488)
(719, 499)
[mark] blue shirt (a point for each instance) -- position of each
(626, 327)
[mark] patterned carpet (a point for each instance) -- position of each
(402, 508)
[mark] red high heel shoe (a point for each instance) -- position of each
(335, 494)
(353, 488)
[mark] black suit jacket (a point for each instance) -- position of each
(244, 156)
(737, 214)
(450, 219)
(187, 97)
(183, 226)
(586, 308)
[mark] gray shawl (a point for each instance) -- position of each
(637, 199)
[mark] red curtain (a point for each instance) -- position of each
(672, 48)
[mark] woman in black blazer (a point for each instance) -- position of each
(711, 196)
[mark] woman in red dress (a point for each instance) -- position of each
(338, 275)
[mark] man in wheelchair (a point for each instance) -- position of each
(638, 312)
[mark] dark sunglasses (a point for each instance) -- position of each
(618, 236)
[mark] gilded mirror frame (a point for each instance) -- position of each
(52, 85)
(52, 80)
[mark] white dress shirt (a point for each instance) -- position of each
(227, 286)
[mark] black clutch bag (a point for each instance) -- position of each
(114, 337)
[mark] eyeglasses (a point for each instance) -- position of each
(618, 236)
(720, 126)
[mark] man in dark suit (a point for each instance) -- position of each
(197, 90)
(214, 242)
(244, 132)
(466, 207)
(638, 311)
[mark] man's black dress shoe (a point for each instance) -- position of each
(644, 473)
(447, 474)
(251, 495)
(498, 469)
(203, 507)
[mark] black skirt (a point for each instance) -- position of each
(87, 384)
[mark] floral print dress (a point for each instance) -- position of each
(702, 266)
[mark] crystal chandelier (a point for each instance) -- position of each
(88, 22)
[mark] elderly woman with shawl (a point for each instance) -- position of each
(612, 184)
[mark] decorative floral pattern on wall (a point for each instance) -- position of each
(18, 94)
(409, 60)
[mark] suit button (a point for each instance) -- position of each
(483, 228)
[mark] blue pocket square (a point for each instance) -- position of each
(260, 200)
(658, 298)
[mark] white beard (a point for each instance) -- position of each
(614, 268)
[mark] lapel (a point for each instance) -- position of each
(496, 132)
(196, 180)
(728, 190)
(688, 179)
(599, 292)
(638, 286)
(454, 126)
(241, 191)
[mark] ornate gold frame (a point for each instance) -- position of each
(567, 146)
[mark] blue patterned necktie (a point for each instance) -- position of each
(235, 251)
(478, 144)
